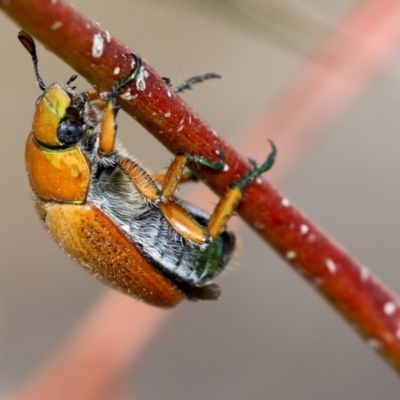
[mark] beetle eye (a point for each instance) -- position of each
(69, 132)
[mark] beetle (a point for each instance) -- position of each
(122, 224)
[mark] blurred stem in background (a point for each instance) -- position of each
(291, 24)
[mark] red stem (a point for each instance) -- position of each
(350, 288)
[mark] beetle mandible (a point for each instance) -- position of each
(122, 224)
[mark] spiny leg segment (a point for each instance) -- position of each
(109, 126)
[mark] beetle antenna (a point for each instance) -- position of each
(187, 85)
(29, 44)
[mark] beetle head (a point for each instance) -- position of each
(57, 122)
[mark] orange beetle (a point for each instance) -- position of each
(122, 224)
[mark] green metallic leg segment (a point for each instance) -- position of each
(205, 162)
(127, 79)
(257, 171)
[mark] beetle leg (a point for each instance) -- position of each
(95, 99)
(228, 203)
(108, 128)
(186, 176)
(173, 212)
(173, 176)
(140, 178)
(175, 173)
(184, 223)
(92, 94)
(109, 125)
(225, 208)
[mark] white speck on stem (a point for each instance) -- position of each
(285, 202)
(291, 255)
(117, 70)
(389, 308)
(364, 274)
(304, 229)
(98, 45)
(330, 265)
(56, 25)
(127, 96)
(141, 80)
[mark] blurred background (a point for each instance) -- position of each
(269, 336)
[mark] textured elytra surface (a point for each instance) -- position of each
(94, 241)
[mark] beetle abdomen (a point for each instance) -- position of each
(179, 258)
(176, 255)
